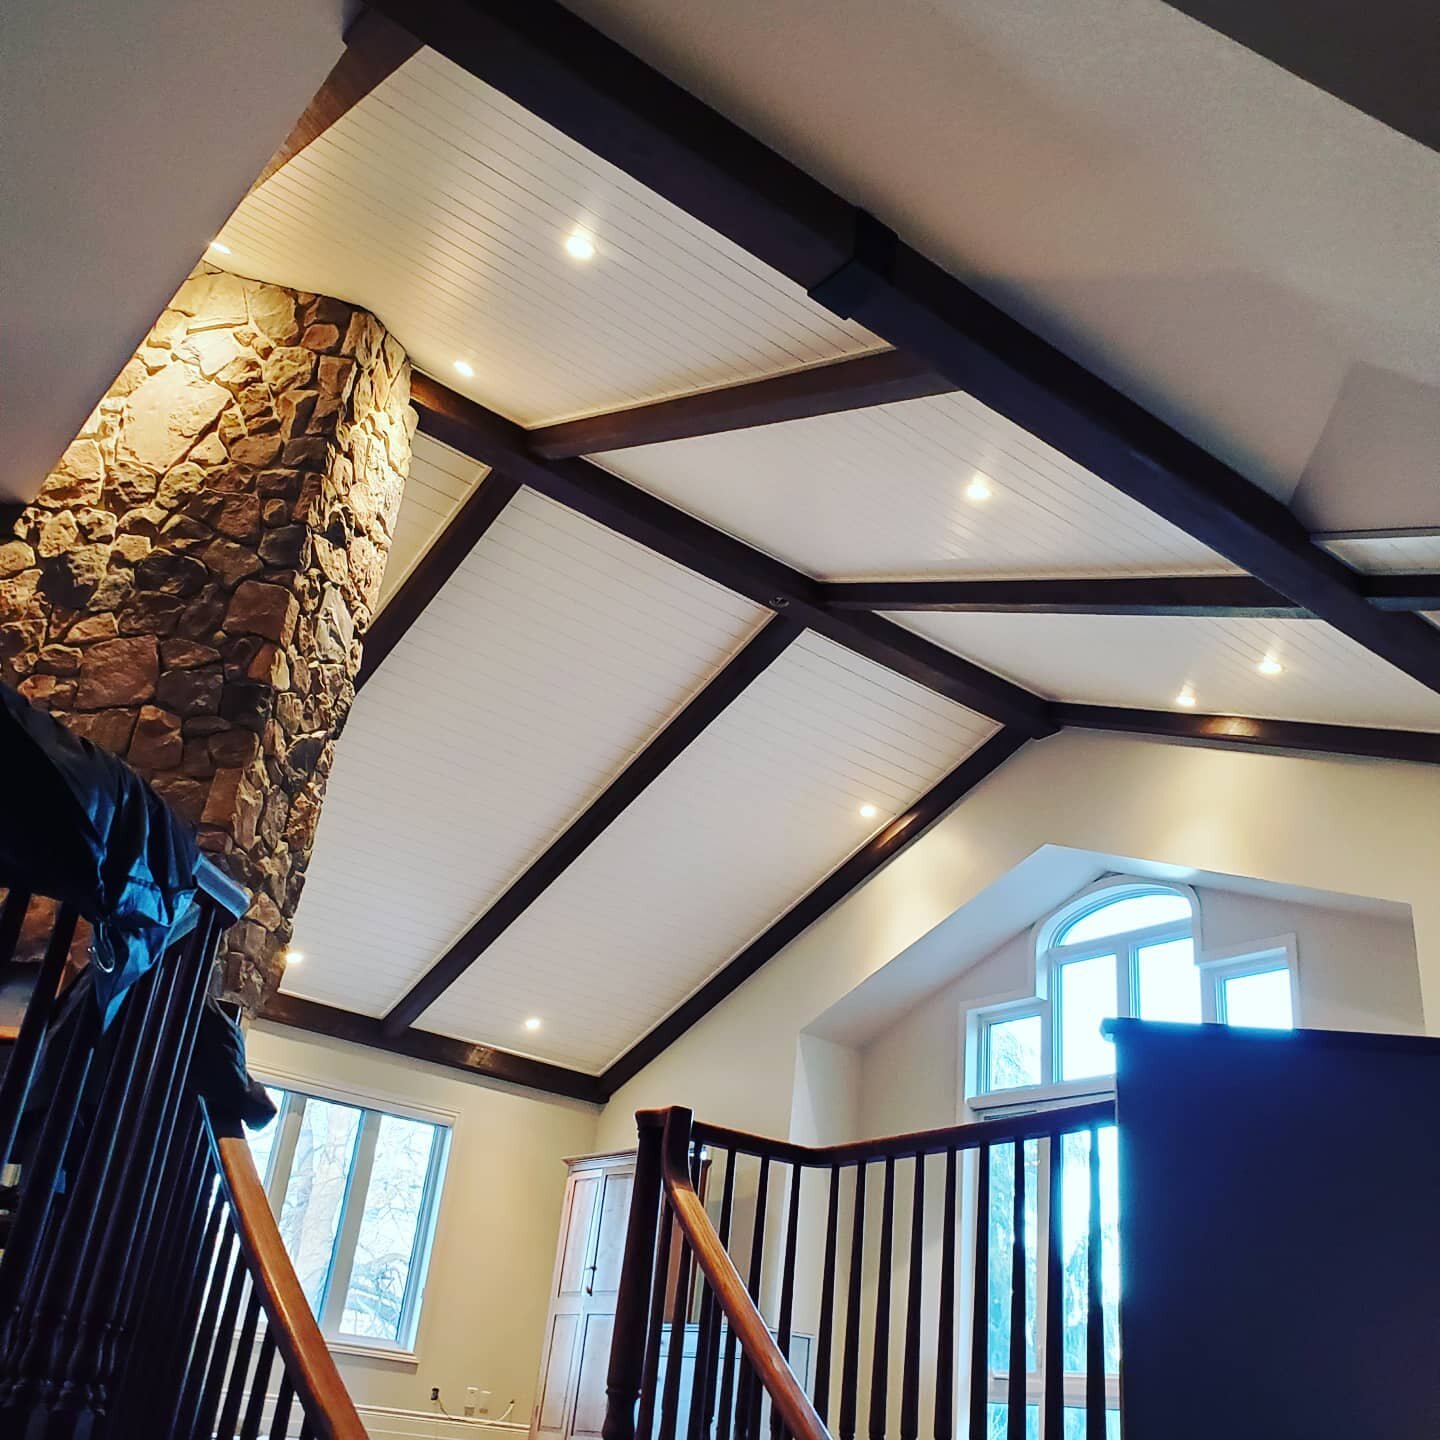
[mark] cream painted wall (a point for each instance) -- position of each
(1354, 827)
(489, 1278)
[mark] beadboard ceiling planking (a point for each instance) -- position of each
(758, 810)
(881, 493)
(548, 659)
(1415, 552)
(444, 207)
(1144, 662)
(439, 483)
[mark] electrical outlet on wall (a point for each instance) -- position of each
(484, 1407)
(472, 1400)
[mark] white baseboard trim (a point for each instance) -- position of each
(384, 1422)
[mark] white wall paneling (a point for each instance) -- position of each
(1416, 552)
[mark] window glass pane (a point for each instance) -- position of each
(1012, 1053)
(1086, 996)
(262, 1142)
(1075, 1248)
(389, 1230)
(1134, 912)
(1169, 982)
(1261, 1000)
(315, 1194)
(998, 1420)
(1002, 1259)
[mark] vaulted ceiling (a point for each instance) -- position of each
(703, 599)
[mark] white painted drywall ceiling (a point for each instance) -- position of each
(1245, 254)
(132, 128)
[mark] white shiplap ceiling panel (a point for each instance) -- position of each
(444, 207)
(881, 494)
(1417, 553)
(1144, 662)
(439, 483)
(550, 657)
(755, 812)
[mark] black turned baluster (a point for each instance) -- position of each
(675, 1356)
(945, 1340)
(307, 1428)
(625, 1374)
(707, 1350)
(787, 1283)
(1095, 1316)
(200, 1350)
(259, 1385)
(850, 1366)
(650, 1372)
(25, 1052)
(880, 1356)
(1015, 1393)
(239, 1368)
(752, 1392)
(1054, 1412)
(821, 1394)
(726, 1418)
(280, 1420)
(910, 1376)
(980, 1316)
(236, 1285)
(198, 1248)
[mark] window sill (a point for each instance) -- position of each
(374, 1352)
(1102, 1087)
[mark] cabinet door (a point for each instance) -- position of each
(576, 1240)
(553, 1407)
(610, 1230)
(590, 1376)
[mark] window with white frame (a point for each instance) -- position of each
(1124, 948)
(356, 1191)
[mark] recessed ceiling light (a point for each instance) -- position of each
(1270, 666)
(533, 1023)
(978, 490)
(1186, 698)
(219, 249)
(580, 246)
(868, 812)
(294, 957)
(465, 368)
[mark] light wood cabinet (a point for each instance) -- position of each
(575, 1354)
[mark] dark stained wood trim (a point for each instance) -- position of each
(1245, 733)
(1227, 595)
(569, 74)
(484, 1061)
(375, 47)
(850, 384)
(668, 530)
(1403, 592)
(479, 512)
(836, 886)
(748, 665)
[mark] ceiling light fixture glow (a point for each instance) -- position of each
(1270, 666)
(533, 1023)
(868, 811)
(978, 490)
(465, 368)
(1186, 698)
(294, 957)
(219, 249)
(580, 246)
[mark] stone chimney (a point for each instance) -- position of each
(190, 586)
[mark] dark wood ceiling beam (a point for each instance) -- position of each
(840, 883)
(668, 530)
(481, 1061)
(851, 384)
(479, 512)
(572, 76)
(375, 47)
(758, 655)
(1246, 733)
(1224, 595)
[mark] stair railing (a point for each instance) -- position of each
(144, 1287)
(694, 1356)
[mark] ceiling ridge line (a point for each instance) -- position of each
(621, 506)
(582, 831)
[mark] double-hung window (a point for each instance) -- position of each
(355, 1190)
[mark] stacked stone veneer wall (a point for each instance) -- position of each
(191, 584)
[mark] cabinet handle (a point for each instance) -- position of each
(590, 1288)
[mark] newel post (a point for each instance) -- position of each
(632, 1303)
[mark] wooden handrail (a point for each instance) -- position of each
(1059, 1120)
(309, 1367)
(798, 1415)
